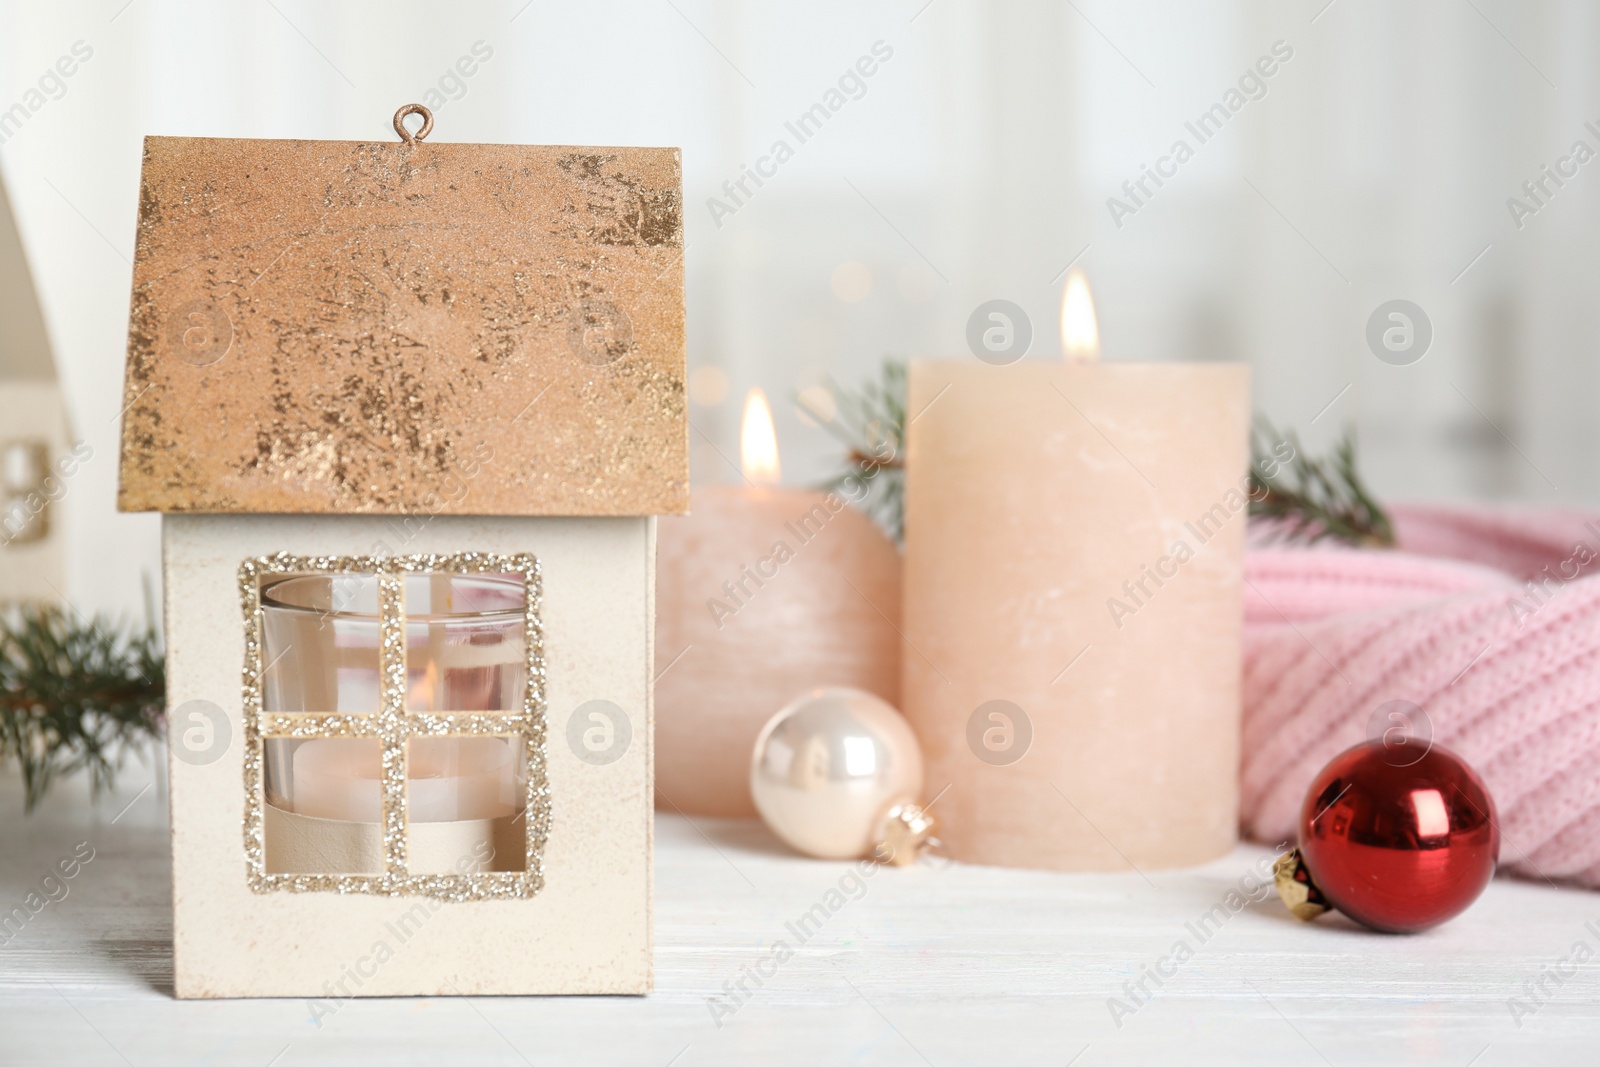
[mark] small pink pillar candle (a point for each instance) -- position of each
(1074, 547)
(762, 593)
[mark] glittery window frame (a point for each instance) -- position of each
(393, 725)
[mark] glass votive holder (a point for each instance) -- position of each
(465, 652)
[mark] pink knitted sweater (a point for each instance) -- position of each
(1490, 621)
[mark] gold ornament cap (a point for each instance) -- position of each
(1296, 887)
(907, 831)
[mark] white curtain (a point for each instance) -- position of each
(976, 161)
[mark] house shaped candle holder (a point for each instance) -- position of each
(408, 410)
(38, 460)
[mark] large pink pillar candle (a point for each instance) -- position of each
(761, 594)
(1074, 541)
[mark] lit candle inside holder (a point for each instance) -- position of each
(448, 779)
(1074, 548)
(465, 652)
(762, 593)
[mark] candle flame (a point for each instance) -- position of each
(758, 441)
(1080, 331)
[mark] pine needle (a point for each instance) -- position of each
(871, 424)
(1309, 498)
(75, 695)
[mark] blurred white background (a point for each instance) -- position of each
(976, 163)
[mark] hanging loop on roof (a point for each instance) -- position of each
(400, 123)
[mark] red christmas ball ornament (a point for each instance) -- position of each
(1397, 841)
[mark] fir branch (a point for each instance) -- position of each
(871, 425)
(75, 695)
(1311, 498)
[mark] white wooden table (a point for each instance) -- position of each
(938, 964)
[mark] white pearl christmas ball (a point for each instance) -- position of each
(828, 768)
